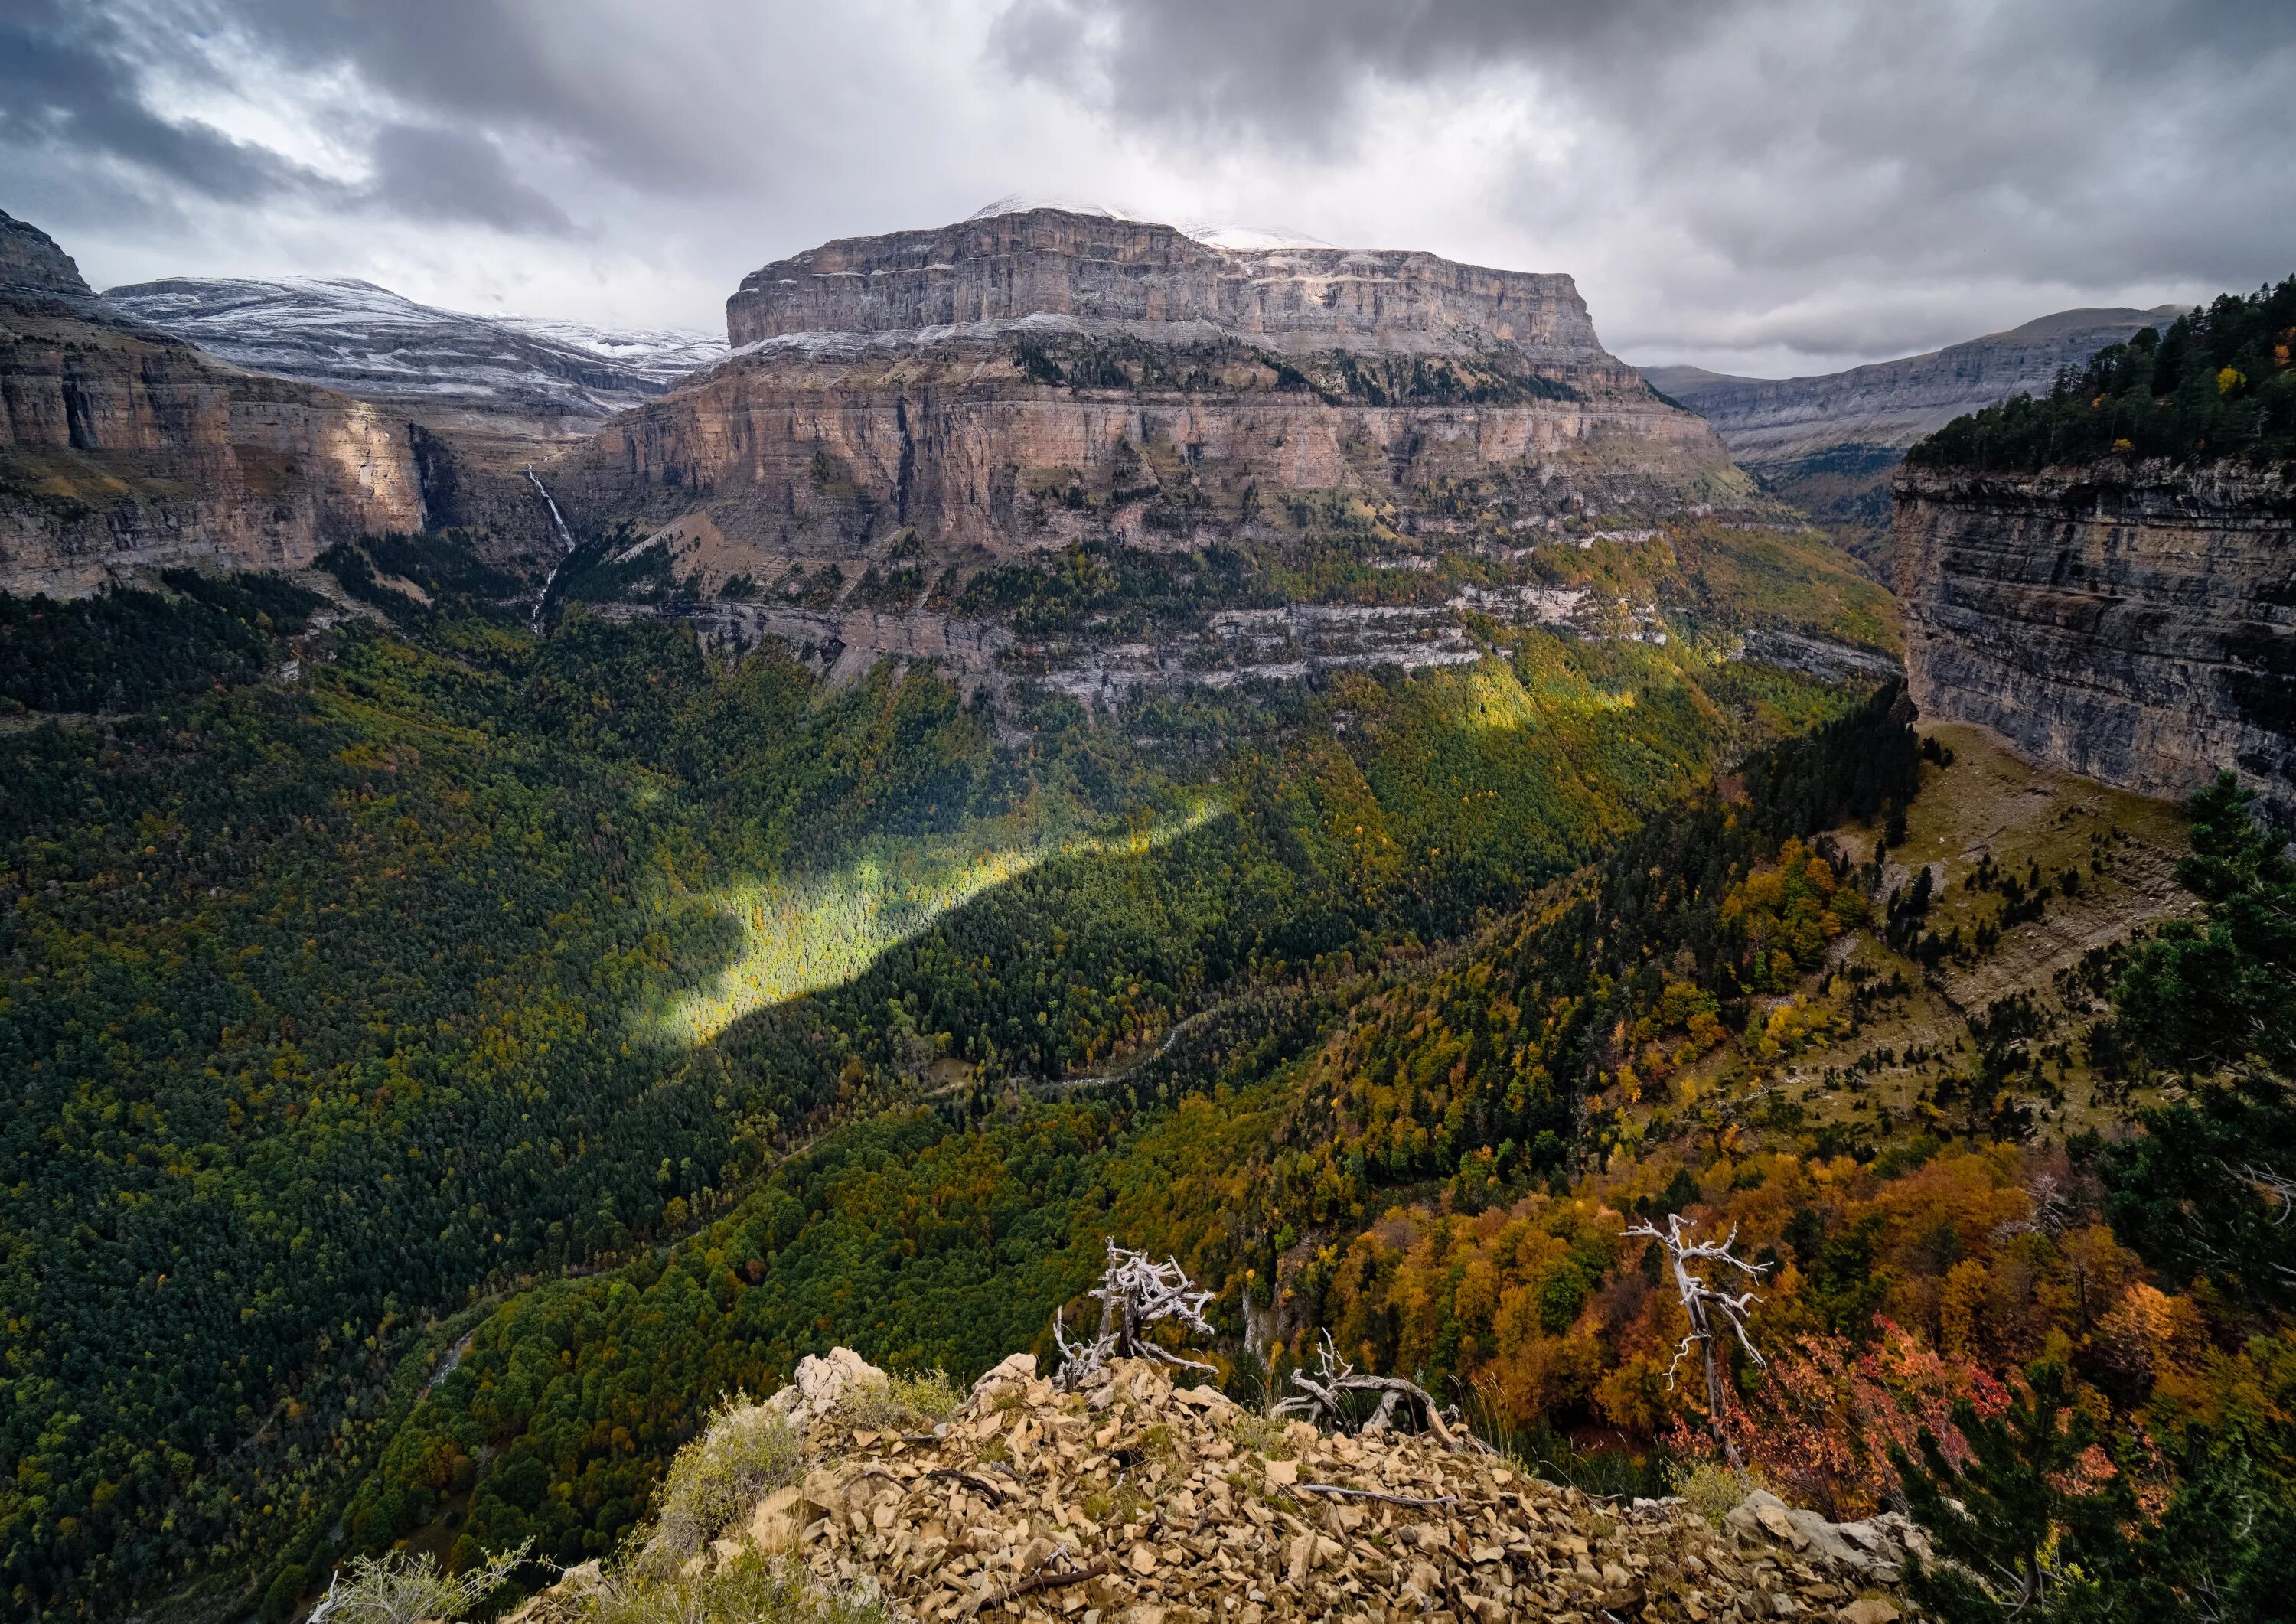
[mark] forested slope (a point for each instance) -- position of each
(349, 977)
(1443, 1181)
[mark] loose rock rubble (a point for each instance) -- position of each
(1133, 1502)
(821, 1384)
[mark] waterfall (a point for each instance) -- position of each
(565, 542)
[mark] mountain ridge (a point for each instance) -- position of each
(1770, 420)
(344, 332)
(1827, 441)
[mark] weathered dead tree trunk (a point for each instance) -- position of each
(1134, 1292)
(1703, 1303)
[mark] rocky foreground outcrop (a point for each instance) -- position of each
(2133, 623)
(1137, 1502)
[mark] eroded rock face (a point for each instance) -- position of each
(2135, 624)
(30, 262)
(1126, 272)
(1025, 382)
(803, 457)
(123, 450)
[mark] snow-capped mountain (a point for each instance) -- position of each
(662, 354)
(369, 342)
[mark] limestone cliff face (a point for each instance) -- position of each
(1101, 270)
(2138, 625)
(810, 458)
(122, 450)
(1023, 382)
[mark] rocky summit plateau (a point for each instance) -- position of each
(1114, 275)
(905, 415)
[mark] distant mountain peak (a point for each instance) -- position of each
(357, 336)
(1891, 404)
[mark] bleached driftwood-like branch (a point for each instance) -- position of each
(1322, 1400)
(2274, 1185)
(2051, 1211)
(1135, 1292)
(1704, 1303)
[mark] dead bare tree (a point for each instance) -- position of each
(2050, 1214)
(1703, 1303)
(2274, 1185)
(1134, 1292)
(1322, 1400)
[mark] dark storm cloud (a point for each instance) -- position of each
(453, 174)
(2076, 139)
(502, 65)
(67, 88)
(1780, 185)
(1287, 69)
(75, 92)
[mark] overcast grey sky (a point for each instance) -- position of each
(1758, 185)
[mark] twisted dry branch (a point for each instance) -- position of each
(1322, 1399)
(1135, 1292)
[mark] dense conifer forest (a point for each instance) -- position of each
(2216, 384)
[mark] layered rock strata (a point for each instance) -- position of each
(1025, 383)
(2136, 625)
(1232, 646)
(1130, 274)
(122, 449)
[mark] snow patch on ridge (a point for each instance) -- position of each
(1226, 235)
(347, 333)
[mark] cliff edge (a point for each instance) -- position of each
(1123, 273)
(2135, 622)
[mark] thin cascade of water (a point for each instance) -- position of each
(565, 542)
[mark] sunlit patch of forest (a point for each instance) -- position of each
(807, 932)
